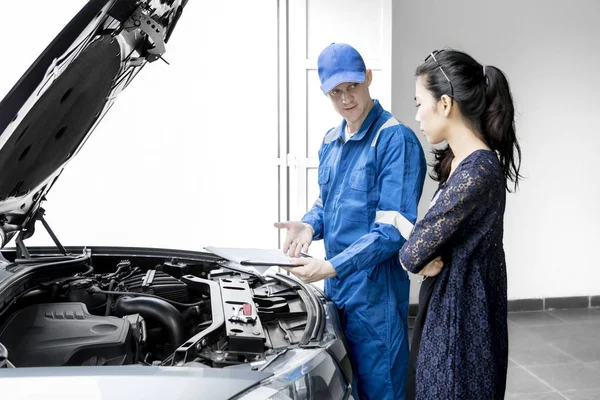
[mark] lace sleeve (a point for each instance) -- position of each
(465, 193)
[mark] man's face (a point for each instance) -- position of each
(352, 100)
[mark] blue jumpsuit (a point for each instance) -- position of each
(370, 188)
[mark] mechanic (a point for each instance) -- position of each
(371, 174)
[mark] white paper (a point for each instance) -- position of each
(239, 254)
(269, 256)
(251, 269)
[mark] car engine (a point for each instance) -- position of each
(172, 313)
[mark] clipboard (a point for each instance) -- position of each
(250, 263)
(255, 257)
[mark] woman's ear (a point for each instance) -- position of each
(446, 104)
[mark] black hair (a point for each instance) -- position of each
(485, 101)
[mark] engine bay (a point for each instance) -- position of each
(150, 310)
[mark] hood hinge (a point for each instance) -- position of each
(28, 232)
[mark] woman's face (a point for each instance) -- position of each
(430, 114)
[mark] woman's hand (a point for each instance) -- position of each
(433, 268)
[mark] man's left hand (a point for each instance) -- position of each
(312, 269)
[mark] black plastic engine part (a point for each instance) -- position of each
(179, 269)
(156, 310)
(78, 293)
(246, 337)
(209, 335)
(159, 284)
(59, 334)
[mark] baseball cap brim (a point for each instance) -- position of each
(342, 77)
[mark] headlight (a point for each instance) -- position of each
(299, 390)
(306, 374)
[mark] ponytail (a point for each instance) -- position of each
(498, 124)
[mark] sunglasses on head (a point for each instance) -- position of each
(432, 55)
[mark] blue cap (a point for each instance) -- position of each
(340, 63)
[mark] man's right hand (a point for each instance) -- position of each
(298, 238)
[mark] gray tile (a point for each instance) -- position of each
(577, 315)
(514, 327)
(519, 380)
(534, 396)
(565, 332)
(593, 394)
(534, 319)
(529, 351)
(595, 365)
(585, 349)
(568, 377)
(526, 349)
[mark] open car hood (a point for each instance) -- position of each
(118, 383)
(51, 111)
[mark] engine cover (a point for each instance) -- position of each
(59, 334)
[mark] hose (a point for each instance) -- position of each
(136, 294)
(154, 309)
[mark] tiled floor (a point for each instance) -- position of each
(554, 355)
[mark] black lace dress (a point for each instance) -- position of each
(460, 341)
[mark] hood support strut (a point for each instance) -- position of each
(28, 232)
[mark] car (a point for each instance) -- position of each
(102, 321)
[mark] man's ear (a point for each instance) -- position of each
(368, 77)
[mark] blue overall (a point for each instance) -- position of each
(370, 188)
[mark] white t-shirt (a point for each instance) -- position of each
(347, 134)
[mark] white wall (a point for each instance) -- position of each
(187, 178)
(187, 156)
(550, 52)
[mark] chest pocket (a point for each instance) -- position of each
(323, 178)
(360, 200)
(362, 179)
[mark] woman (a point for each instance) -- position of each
(460, 340)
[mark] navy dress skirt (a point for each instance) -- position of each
(460, 343)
